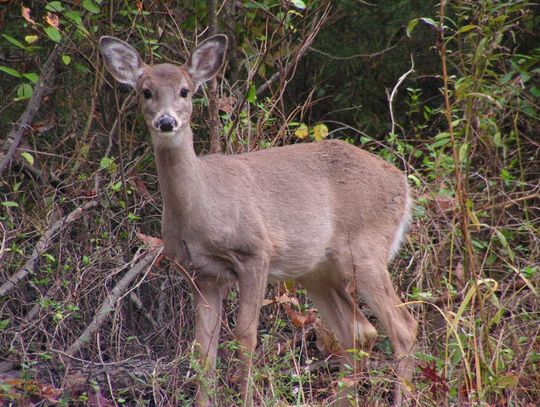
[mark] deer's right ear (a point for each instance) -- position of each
(121, 60)
(207, 59)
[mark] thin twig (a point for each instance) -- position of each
(213, 113)
(108, 304)
(42, 245)
(393, 94)
(20, 128)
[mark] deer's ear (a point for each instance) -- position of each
(121, 60)
(207, 59)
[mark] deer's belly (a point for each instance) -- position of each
(295, 264)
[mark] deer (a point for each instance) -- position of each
(327, 215)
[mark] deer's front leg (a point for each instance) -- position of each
(252, 277)
(208, 299)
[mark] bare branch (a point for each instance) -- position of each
(42, 245)
(19, 129)
(394, 91)
(108, 305)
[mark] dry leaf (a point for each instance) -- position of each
(49, 393)
(44, 125)
(25, 11)
(141, 189)
(298, 319)
(326, 340)
(149, 241)
(52, 20)
(96, 399)
(282, 299)
(445, 203)
(458, 273)
(226, 104)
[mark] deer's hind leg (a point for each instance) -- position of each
(376, 288)
(329, 293)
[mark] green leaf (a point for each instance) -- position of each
(28, 157)
(411, 26)
(413, 23)
(302, 131)
(30, 39)
(106, 162)
(74, 16)
(430, 21)
(31, 76)
(442, 140)
(415, 179)
(82, 68)
(497, 140)
(24, 91)
(66, 59)
(10, 71)
(4, 323)
(14, 41)
(320, 132)
(54, 6)
(507, 381)
(466, 28)
(251, 96)
(10, 204)
(299, 4)
(90, 6)
(504, 243)
(53, 34)
(463, 152)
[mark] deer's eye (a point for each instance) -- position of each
(184, 92)
(147, 93)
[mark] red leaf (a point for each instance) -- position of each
(298, 319)
(52, 20)
(25, 11)
(438, 384)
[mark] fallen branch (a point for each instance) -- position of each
(42, 245)
(108, 305)
(19, 128)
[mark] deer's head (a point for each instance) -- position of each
(166, 90)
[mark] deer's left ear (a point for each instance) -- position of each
(207, 59)
(121, 60)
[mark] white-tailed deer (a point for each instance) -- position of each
(326, 214)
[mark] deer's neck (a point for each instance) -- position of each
(180, 179)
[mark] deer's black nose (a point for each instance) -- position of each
(166, 123)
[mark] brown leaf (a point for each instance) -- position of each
(458, 273)
(49, 393)
(140, 187)
(96, 399)
(445, 203)
(149, 241)
(326, 340)
(52, 19)
(226, 104)
(282, 299)
(25, 11)
(47, 124)
(298, 319)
